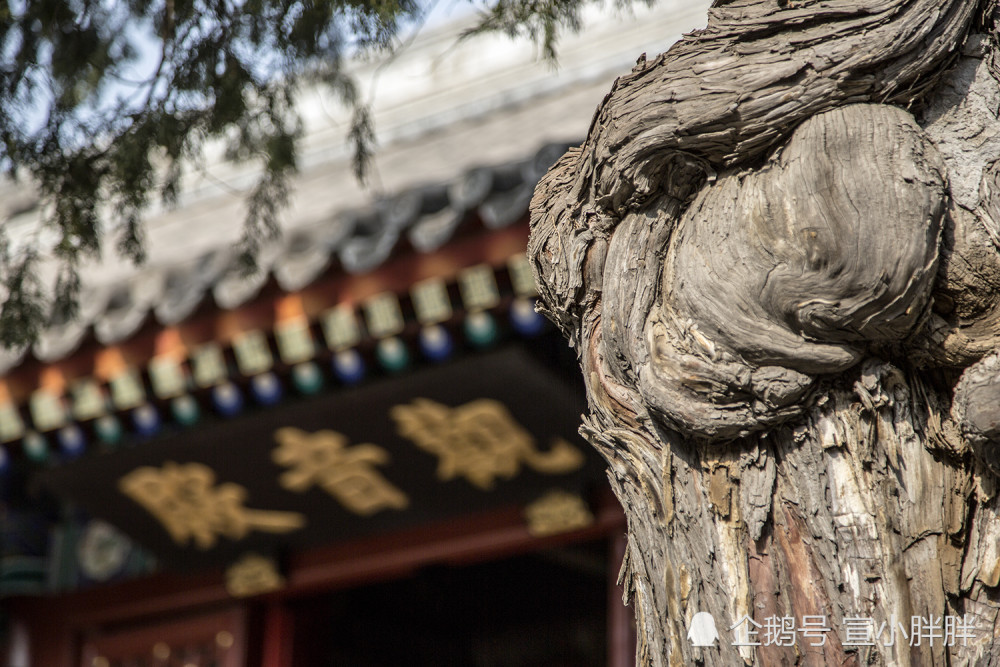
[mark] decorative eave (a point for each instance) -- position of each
(104, 392)
(401, 322)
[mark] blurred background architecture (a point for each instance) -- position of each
(365, 454)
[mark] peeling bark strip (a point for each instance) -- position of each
(774, 275)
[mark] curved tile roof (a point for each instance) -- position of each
(424, 218)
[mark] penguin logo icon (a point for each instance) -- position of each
(702, 631)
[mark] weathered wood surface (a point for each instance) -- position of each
(778, 257)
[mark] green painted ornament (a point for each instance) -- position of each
(185, 410)
(35, 447)
(480, 329)
(392, 354)
(108, 430)
(307, 378)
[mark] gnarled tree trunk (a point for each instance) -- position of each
(777, 255)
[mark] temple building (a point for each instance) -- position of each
(366, 453)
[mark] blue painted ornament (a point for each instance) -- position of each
(436, 343)
(146, 420)
(266, 388)
(524, 319)
(72, 441)
(348, 367)
(227, 399)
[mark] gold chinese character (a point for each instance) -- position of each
(480, 441)
(323, 459)
(185, 499)
(253, 575)
(557, 512)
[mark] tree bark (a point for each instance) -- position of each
(777, 255)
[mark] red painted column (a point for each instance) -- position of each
(279, 635)
(621, 620)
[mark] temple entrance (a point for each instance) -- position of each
(544, 608)
(479, 593)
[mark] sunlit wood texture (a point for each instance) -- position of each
(776, 254)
